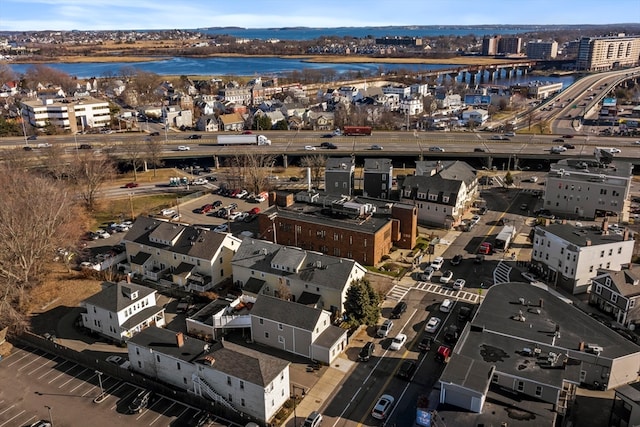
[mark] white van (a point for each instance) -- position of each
(446, 306)
(168, 212)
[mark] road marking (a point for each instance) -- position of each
(51, 370)
(25, 355)
(10, 407)
(12, 418)
(34, 360)
(74, 377)
(135, 389)
(62, 373)
(162, 414)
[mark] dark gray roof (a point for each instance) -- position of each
(630, 391)
(140, 258)
(579, 236)
(141, 316)
(308, 298)
(253, 285)
(337, 162)
(377, 165)
(503, 301)
(332, 272)
(206, 313)
(432, 185)
(615, 168)
(330, 336)
(472, 374)
(182, 268)
(114, 296)
(231, 359)
(191, 241)
(286, 312)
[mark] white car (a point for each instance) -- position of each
(432, 325)
(613, 150)
(437, 263)
(529, 276)
(427, 274)
(222, 228)
(558, 149)
(446, 276)
(309, 148)
(116, 360)
(459, 284)
(475, 219)
(398, 342)
(242, 194)
(184, 148)
(102, 234)
(383, 407)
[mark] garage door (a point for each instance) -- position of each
(458, 397)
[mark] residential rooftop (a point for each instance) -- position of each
(582, 236)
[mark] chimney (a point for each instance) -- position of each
(128, 277)
(179, 339)
(581, 346)
(605, 223)
(588, 242)
(625, 234)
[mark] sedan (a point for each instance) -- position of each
(476, 218)
(459, 284)
(116, 360)
(432, 325)
(131, 185)
(383, 407)
(436, 149)
(222, 228)
(194, 137)
(456, 259)
(407, 369)
(309, 148)
(184, 148)
(376, 147)
(427, 274)
(398, 342)
(567, 136)
(327, 135)
(558, 140)
(529, 276)
(569, 146)
(446, 276)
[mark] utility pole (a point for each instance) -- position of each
(50, 419)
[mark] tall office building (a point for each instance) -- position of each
(608, 52)
(509, 45)
(490, 45)
(539, 49)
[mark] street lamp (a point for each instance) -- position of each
(50, 419)
(24, 128)
(295, 398)
(100, 382)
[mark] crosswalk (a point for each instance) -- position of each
(501, 273)
(399, 291)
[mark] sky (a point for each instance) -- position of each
(61, 15)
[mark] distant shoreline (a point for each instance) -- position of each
(330, 59)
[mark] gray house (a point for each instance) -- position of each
(296, 328)
(378, 177)
(339, 176)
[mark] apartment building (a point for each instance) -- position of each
(339, 175)
(378, 178)
(570, 256)
(588, 189)
(538, 49)
(74, 115)
(608, 52)
(617, 293)
(441, 192)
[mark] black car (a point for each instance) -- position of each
(558, 140)
(85, 147)
(407, 369)
(456, 259)
(464, 314)
(569, 146)
(194, 136)
(202, 419)
(140, 402)
(32, 138)
(366, 351)
(328, 145)
(451, 334)
(479, 150)
(217, 204)
(327, 135)
(27, 148)
(425, 344)
(294, 179)
(154, 134)
(482, 211)
(400, 308)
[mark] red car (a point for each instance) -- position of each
(206, 208)
(247, 132)
(131, 185)
(254, 211)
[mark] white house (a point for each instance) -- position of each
(172, 254)
(73, 115)
(238, 378)
(296, 328)
(307, 277)
(476, 115)
(571, 256)
(121, 310)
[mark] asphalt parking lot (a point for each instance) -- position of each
(45, 385)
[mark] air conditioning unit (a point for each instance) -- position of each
(593, 349)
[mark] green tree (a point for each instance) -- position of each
(508, 179)
(281, 125)
(362, 306)
(261, 123)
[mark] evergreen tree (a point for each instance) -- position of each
(362, 305)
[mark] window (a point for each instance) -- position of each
(261, 321)
(178, 365)
(266, 334)
(620, 250)
(228, 380)
(598, 289)
(280, 339)
(241, 385)
(158, 357)
(520, 386)
(539, 390)
(280, 326)
(591, 269)
(601, 254)
(184, 380)
(614, 298)
(242, 402)
(495, 378)
(230, 397)
(610, 252)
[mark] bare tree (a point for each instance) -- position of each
(134, 151)
(6, 73)
(154, 148)
(89, 173)
(37, 216)
(250, 169)
(317, 164)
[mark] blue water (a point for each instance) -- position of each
(303, 33)
(262, 66)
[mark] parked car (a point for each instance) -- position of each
(446, 276)
(407, 369)
(194, 136)
(85, 147)
(400, 308)
(443, 353)
(313, 420)
(437, 263)
(154, 134)
(479, 150)
(457, 259)
(425, 344)
(27, 148)
(41, 423)
(482, 211)
(476, 218)
(459, 284)
(427, 274)
(140, 401)
(464, 314)
(432, 325)
(242, 194)
(451, 334)
(367, 351)
(247, 132)
(222, 228)
(383, 407)
(446, 305)
(116, 360)
(529, 276)
(385, 328)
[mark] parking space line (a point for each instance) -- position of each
(62, 373)
(164, 412)
(25, 355)
(73, 377)
(13, 418)
(7, 409)
(41, 366)
(82, 383)
(50, 370)
(183, 412)
(135, 389)
(33, 361)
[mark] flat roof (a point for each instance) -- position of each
(309, 213)
(580, 236)
(502, 302)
